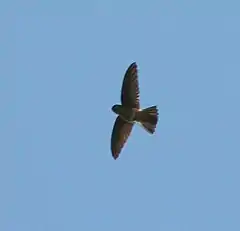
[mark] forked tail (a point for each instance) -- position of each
(148, 118)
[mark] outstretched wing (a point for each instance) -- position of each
(130, 88)
(120, 134)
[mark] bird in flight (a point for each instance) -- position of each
(129, 112)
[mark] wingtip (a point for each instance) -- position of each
(115, 157)
(133, 64)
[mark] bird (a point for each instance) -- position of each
(130, 113)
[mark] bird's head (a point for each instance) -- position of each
(115, 108)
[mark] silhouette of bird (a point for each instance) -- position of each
(129, 112)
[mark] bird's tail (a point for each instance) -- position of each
(148, 118)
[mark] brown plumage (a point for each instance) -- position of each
(129, 112)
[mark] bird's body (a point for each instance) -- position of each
(129, 112)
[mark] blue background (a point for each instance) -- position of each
(62, 64)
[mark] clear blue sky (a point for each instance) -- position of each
(62, 64)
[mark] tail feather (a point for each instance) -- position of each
(148, 118)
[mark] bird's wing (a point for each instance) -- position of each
(130, 88)
(120, 134)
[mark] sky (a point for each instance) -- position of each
(62, 65)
